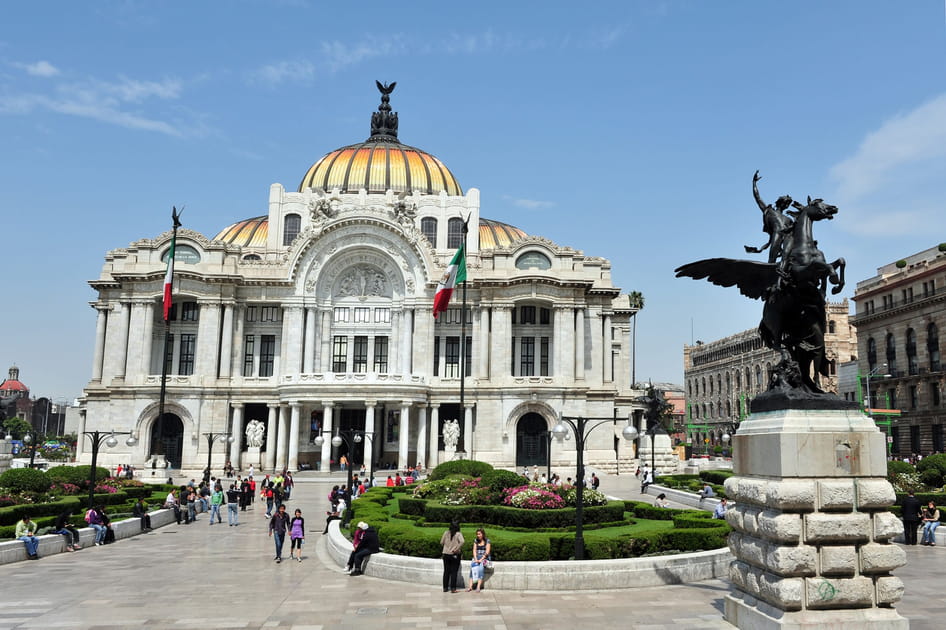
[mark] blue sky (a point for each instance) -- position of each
(629, 130)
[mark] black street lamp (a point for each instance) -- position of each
(28, 440)
(656, 404)
(580, 426)
(730, 432)
(98, 438)
(346, 437)
(358, 437)
(211, 438)
(548, 435)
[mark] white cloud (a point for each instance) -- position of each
(39, 69)
(101, 100)
(529, 204)
(902, 141)
(275, 73)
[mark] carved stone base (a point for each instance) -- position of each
(252, 456)
(811, 530)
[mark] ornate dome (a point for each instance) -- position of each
(381, 163)
(12, 385)
(252, 233)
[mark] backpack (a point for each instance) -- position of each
(88, 516)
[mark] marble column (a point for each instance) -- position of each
(226, 343)
(406, 340)
(208, 339)
(468, 429)
(236, 365)
(404, 436)
(325, 336)
(327, 435)
(421, 432)
(369, 430)
(271, 436)
(293, 330)
(483, 343)
(236, 430)
(147, 338)
(500, 359)
(606, 350)
(98, 357)
(293, 463)
(308, 359)
(282, 440)
(434, 435)
(579, 356)
(121, 349)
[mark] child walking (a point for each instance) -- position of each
(296, 534)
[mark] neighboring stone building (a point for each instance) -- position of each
(317, 316)
(721, 377)
(900, 312)
(14, 396)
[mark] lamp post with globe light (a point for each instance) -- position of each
(29, 440)
(349, 438)
(582, 428)
(211, 439)
(98, 438)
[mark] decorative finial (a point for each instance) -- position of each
(384, 121)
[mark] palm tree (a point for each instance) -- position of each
(637, 303)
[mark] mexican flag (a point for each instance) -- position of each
(454, 275)
(169, 280)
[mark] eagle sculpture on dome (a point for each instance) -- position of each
(385, 88)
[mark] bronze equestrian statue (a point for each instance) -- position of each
(793, 285)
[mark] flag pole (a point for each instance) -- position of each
(467, 439)
(158, 448)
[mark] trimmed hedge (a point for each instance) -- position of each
(689, 520)
(716, 477)
(506, 516)
(25, 480)
(77, 475)
(468, 467)
(895, 466)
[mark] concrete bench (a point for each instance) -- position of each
(49, 544)
(567, 575)
(684, 497)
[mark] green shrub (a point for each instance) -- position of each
(716, 477)
(895, 466)
(937, 461)
(696, 520)
(932, 477)
(692, 539)
(499, 480)
(415, 507)
(654, 513)
(25, 480)
(506, 516)
(78, 475)
(469, 467)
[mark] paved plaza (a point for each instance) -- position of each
(206, 577)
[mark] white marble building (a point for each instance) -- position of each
(317, 316)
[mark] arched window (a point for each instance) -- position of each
(292, 224)
(533, 260)
(891, 354)
(719, 383)
(728, 383)
(711, 385)
(252, 257)
(871, 353)
(913, 365)
(748, 380)
(454, 233)
(831, 327)
(719, 409)
(738, 381)
(704, 386)
(932, 346)
(728, 409)
(758, 378)
(428, 225)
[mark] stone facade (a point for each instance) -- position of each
(900, 312)
(721, 377)
(318, 316)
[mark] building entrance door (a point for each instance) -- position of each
(531, 441)
(171, 438)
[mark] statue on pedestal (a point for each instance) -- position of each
(451, 435)
(255, 430)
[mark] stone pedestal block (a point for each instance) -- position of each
(811, 531)
(664, 458)
(253, 456)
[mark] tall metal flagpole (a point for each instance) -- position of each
(467, 439)
(158, 449)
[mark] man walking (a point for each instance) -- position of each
(911, 518)
(233, 501)
(278, 526)
(216, 500)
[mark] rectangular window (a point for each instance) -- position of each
(380, 354)
(382, 316)
(527, 315)
(189, 311)
(436, 356)
(937, 438)
(545, 316)
(340, 314)
(913, 397)
(527, 356)
(267, 354)
(251, 313)
(934, 394)
(543, 356)
(894, 439)
(362, 315)
(512, 356)
(270, 314)
(359, 359)
(249, 349)
(452, 355)
(185, 362)
(468, 355)
(169, 355)
(891, 399)
(340, 353)
(915, 439)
